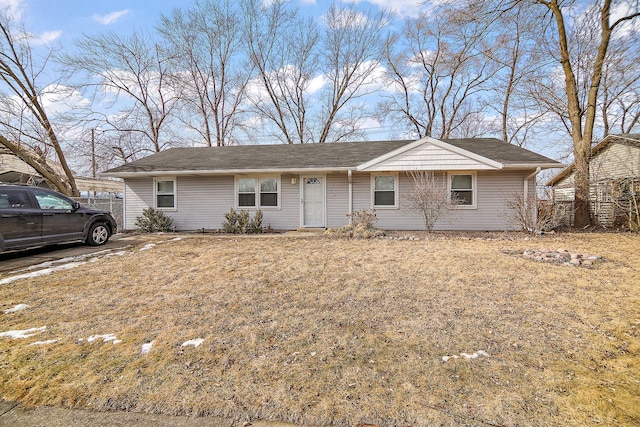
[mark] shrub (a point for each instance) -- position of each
(360, 226)
(255, 225)
(241, 222)
(153, 221)
(230, 224)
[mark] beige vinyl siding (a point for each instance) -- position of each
(337, 200)
(492, 191)
(202, 201)
(429, 157)
(618, 160)
(288, 216)
(138, 196)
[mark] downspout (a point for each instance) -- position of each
(350, 179)
(526, 191)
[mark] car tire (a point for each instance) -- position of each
(98, 234)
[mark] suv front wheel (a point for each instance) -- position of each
(98, 235)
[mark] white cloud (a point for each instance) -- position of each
(45, 38)
(13, 7)
(404, 8)
(622, 9)
(60, 99)
(308, 2)
(110, 18)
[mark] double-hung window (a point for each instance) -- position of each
(385, 191)
(258, 192)
(165, 193)
(462, 190)
(246, 192)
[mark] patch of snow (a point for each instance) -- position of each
(25, 333)
(195, 342)
(43, 342)
(146, 348)
(39, 273)
(105, 338)
(147, 246)
(15, 308)
(176, 239)
(466, 356)
(68, 263)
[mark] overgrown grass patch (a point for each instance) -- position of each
(329, 331)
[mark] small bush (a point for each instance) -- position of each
(360, 227)
(255, 225)
(153, 221)
(230, 224)
(241, 222)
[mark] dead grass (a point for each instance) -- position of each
(321, 331)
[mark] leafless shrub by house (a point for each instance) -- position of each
(360, 226)
(531, 214)
(430, 197)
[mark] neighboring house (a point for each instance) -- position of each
(614, 179)
(318, 185)
(13, 170)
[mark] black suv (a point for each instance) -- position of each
(33, 216)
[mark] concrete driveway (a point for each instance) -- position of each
(19, 260)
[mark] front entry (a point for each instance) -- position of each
(313, 201)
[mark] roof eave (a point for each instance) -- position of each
(136, 174)
(552, 165)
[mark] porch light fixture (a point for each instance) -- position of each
(294, 180)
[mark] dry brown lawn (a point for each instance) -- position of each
(320, 331)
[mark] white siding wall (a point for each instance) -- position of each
(337, 200)
(493, 190)
(203, 201)
(138, 196)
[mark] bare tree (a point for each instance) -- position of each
(430, 197)
(27, 129)
(521, 62)
(282, 48)
(582, 113)
(350, 52)
(620, 96)
(291, 53)
(209, 63)
(437, 69)
(132, 75)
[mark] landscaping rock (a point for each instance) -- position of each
(559, 256)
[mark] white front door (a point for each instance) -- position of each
(313, 201)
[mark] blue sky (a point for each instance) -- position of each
(70, 19)
(64, 21)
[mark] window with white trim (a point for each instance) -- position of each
(462, 190)
(262, 192)
(165, 193)
(385, 191)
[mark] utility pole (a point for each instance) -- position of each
(93, 157)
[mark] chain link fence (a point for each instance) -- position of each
(112, 204)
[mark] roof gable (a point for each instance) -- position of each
(430, 154)
(632, 139)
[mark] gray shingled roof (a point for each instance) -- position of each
(307, 156)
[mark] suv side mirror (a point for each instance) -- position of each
(76, 206)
